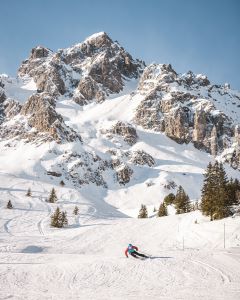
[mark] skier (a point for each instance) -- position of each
(132, 250)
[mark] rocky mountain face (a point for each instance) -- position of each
(91, 70)
(34, 121)
(186, 107)
(2, 99)
(124, 130)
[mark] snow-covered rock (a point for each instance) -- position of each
(90, 70)
(125, 130)
(187, 108)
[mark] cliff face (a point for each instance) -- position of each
(188, 108)
(87, 71)
(41, 114)
(31, 118)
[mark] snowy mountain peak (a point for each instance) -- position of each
(88, 71)
(108, 121)
(96, 38)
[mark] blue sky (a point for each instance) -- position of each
(203, 36)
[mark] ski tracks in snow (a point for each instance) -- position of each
(25, 211)
(40, 223)
(210, 269)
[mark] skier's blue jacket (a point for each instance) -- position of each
(130, 249)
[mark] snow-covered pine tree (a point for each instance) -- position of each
(162, 211)
(143, 213)
(53, 197)
(169, 199)
(182, 202)
(9, 205)
(29, 193)
(76, 211)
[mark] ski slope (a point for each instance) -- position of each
(86, 260)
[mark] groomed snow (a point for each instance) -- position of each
(86, 260)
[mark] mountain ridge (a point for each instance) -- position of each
(111, 122)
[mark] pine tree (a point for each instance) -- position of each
(9, 205)
(237, 191)
(29, 193)
(162, 210)
(59, 218)
(76, 211)
(62, 183)
(207, 200)
(169, 199)
(63, 219)
(55, 218)
(224, 203)
(182, 202)
(233, 188)
(143, 213)
(216, 192)
(53, 197)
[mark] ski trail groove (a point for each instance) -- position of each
(224, 277)
(49, 211)
(6, 226)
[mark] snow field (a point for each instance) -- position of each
(86, 260)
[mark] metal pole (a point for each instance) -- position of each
(224, 235)
(183, 242)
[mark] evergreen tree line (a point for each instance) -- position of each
(180, 201)
(219, 195)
